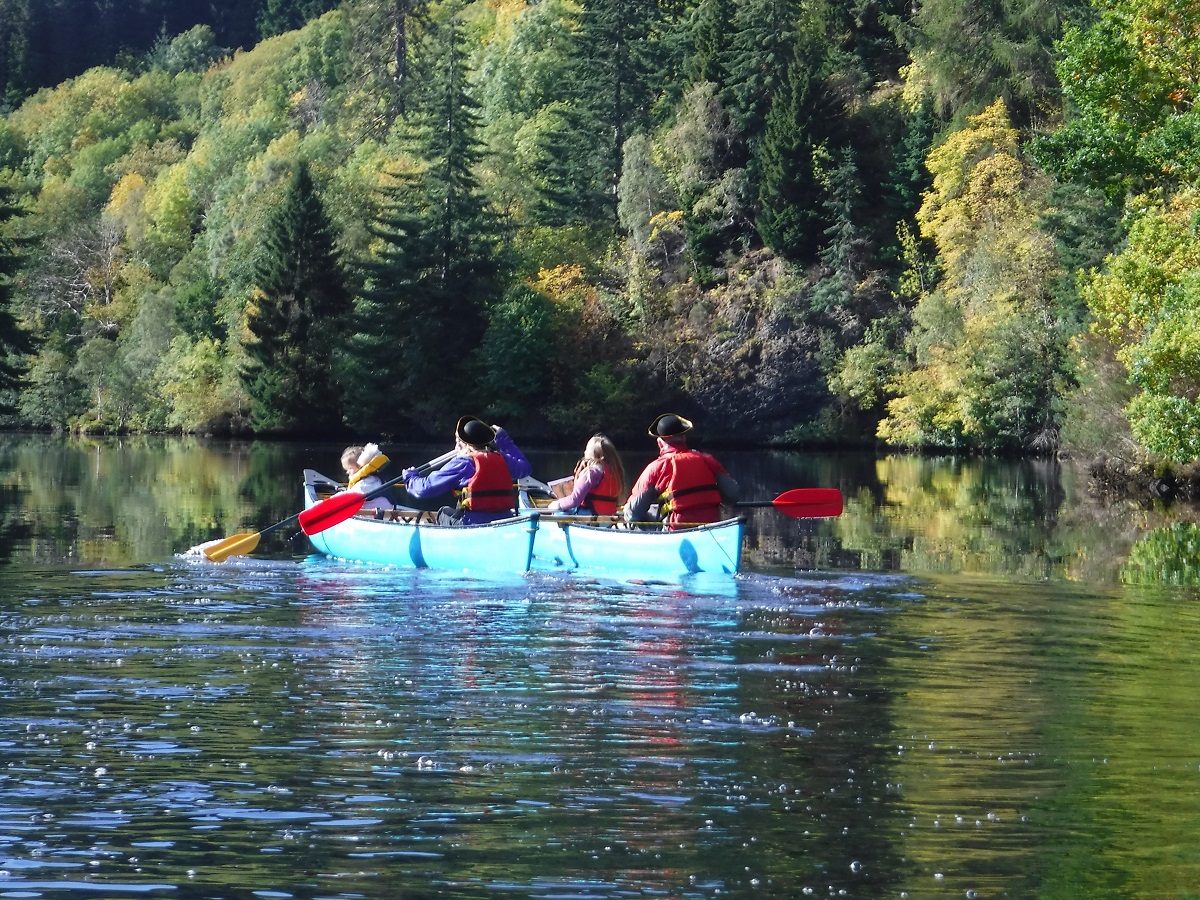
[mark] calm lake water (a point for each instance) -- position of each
(980, 681)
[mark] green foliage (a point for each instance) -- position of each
(143, 347)
(599, 179)
(605, 393)
(1131, 80)
(296, 318)
(525, 119)
(711, 28)
(965, 54)
(193, 50)
(618, 55)
(986, 349)
(1147, 303)
(791, 203)
(697, 158)
(53, 396)
(517, 352)
(642, 193)
(16, 343)
(278, 16)
(202, 386)
(760, 56)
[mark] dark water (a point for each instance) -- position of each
(980, 681)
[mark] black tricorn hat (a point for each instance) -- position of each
(474, 431)
(670, 425)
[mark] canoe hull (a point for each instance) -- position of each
(530, 541)
(502, 546)
(709, 548)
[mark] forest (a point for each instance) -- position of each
(944, 225)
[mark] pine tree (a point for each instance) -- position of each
(279, 16)
(790, 217)
(762, 49)
(847, 249)
(610, 93)
(436, 271)
(711, 31)
(572, 186)
(298, 314)
(460, 228)
(909, 177)
(15, 343)
(399, 341)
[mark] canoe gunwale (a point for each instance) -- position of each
(604, 547)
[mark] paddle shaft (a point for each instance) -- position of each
(799, 503)
(240, 544)
(340, 507)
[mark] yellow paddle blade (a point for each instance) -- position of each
(238, 545)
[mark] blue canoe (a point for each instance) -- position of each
(531, 540)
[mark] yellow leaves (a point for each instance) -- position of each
(986, 134)
(1163, 250)
(980, 186)
(252, 75)
(169, 207)
(1167, 33)
(565, 284)
(125, 204)
(664, 223)
(982, 214)
(506, 12)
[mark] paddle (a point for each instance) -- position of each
(326, 513)
(804, 503)
(799, 503)
(343, 506)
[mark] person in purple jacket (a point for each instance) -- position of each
(481, 476)
(599, 484)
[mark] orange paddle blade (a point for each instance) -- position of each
(237, 545)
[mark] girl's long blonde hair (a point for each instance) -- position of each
(603, 452)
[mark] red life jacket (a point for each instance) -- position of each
(490, 489)
(690, 484)
(602, 499)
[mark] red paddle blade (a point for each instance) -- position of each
(809, 503)
(328, 513)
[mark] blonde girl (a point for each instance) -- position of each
(599, 484)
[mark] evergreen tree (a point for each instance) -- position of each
(909, 177)
(297, 317)
(611, 90)
(791, 201)
(761, 52)
(966, 53)
(461, 229)
(844, 255)
(399, 342)
(14, 49)
(15, 343)
(279, 16)
(711, 27)
(571, 186)
(436, 271)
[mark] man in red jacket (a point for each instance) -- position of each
(688, 486)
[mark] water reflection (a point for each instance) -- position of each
(116, 502)
(304, 728)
